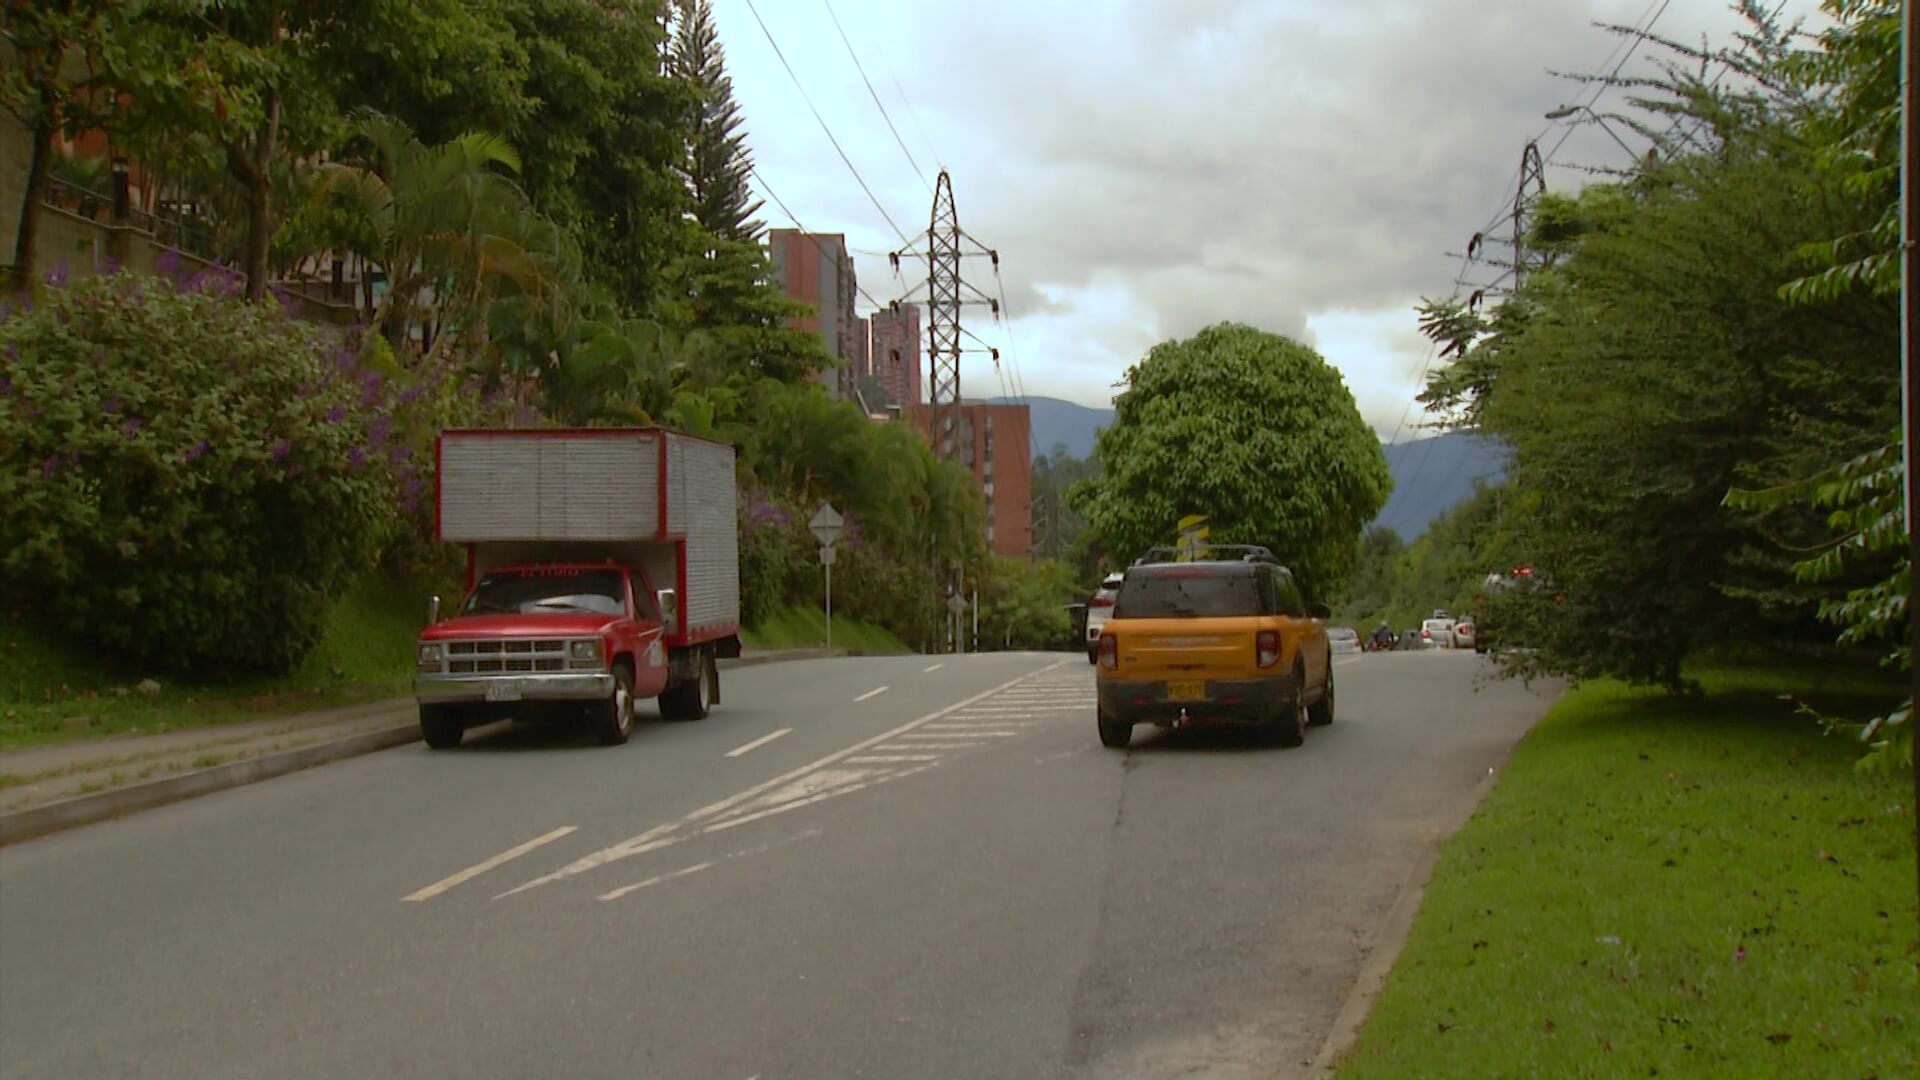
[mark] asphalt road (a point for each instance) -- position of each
(932, 870)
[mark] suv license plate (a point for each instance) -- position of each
(1186, 691)
(503, 691)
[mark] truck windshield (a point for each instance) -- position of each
(1186, 593)
(597, 591)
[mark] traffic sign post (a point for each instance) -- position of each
(826, 526)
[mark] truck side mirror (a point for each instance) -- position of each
(433, 610)
(669, 606)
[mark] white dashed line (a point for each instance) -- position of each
(477, 869)
(655, 880)
(973, 734)
(931, 670)
(871, 694)
(758, 743)
(892, 759)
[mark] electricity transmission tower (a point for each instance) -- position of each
(947, 293)
(1533, 184)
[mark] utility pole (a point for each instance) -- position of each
(947, 293)
(1909, 360)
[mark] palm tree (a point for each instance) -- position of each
(449, 228)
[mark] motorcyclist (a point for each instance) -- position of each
(1382, 638)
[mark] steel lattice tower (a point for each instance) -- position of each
(946, 246)
(1533, 184)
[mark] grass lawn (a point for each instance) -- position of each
(52, 691)
(806, 628)
(1661, 886)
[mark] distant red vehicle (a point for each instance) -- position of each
(602, 568)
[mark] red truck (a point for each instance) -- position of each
(602, 567)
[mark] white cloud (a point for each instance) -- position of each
(1147, 167)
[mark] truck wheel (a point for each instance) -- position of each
(613, 718)
(1320, 714)
(441, 726)
(691, 700)
(1113, 734)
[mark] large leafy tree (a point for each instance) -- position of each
(1253, 430)
(1656, 366)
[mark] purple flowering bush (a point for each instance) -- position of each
(189, 480)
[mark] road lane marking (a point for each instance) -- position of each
(891, 759)
(655, 880)
(758, 743)
(659, 836)
(976, 733)
(870, 695)
(931, 670)
(479, 868)
(942, 713)
(1348, 660)
(913, 747)
(652, 840)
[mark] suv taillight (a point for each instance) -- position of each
(1266, 648)
(1109, 652)
(1100, 601)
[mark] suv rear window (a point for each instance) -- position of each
(1187, 593)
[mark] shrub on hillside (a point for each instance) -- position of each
(188, 480)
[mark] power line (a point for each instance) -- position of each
(823, 122)
(917, 125)
(812, 238)
(1630, 43)
(918, 171)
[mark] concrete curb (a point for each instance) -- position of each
(87, 809)
(36, 821)
(1383, 950)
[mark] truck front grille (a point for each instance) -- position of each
(505, 657)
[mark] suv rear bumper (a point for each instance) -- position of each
(1228, 701)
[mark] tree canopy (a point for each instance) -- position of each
(1253, 430)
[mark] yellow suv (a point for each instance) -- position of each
(1223, 637)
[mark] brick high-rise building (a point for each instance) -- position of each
(815, 269)
(993, 441)
(897, 354)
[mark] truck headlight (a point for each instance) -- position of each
(428, 657)
(586, 650)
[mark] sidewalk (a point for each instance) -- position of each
(45, 788)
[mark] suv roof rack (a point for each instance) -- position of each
(1208, 553)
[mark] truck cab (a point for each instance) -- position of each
(581, 635)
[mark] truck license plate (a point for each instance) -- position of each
(1186, 691)
(503, 691)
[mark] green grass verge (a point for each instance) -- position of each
(806, 628)
(54, 691)
(1662, 886)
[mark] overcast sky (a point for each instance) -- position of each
(1148, 167)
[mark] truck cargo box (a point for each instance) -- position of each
(654, 499)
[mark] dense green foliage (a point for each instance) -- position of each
(1253, 430)
(551, 198)
(188, 481)
(1650, 362)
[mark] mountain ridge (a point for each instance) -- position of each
(1430, 475)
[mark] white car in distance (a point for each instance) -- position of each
(1099, 610)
